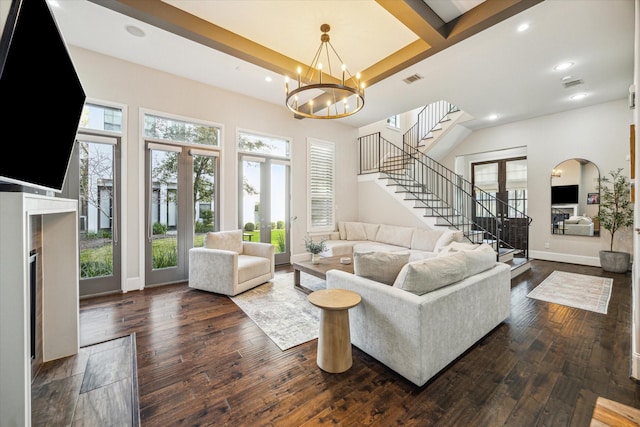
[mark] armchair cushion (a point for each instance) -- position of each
(226, 240)
(252, 266)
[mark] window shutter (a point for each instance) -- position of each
(321, 161)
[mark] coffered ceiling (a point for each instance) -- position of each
(469, 52)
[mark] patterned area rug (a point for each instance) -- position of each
(575, 290)
(281, 311)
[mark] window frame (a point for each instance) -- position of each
(329, 222)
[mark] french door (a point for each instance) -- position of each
(504, 185)
(264, 209)
(181, 188)
(92, 179)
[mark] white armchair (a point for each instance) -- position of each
(227, 265)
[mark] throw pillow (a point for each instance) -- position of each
(421, 277)
(425, 240)
(447, 237)
(355, 231)
(479, 259)
(454, 247)
(226, 240)
(382, 267)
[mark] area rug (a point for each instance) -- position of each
(575, 290)
(281, 311)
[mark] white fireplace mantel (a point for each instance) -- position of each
(60, 295)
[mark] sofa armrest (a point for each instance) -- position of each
(210, 268)
(264, 250)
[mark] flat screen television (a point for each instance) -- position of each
(564, 194)
(42, 97)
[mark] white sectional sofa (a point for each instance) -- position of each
(421, 243)
(432, 312)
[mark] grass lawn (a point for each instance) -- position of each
(164, 252)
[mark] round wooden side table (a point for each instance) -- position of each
(334, 338)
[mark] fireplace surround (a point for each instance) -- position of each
(58, 261)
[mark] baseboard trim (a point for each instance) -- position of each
(132, 284)
(568, 258)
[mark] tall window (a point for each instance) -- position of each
(182, 200)
(321, 185)
(264, 191)
(93, 179)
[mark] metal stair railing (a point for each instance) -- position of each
(445, 194)
(429, 118)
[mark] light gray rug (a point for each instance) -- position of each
(281, 311)
(575, 290)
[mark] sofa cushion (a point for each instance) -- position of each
(367, 246)
(338, 248)
(382, 267)
(395, 235)
(421, 277)
(355, 231)
(226, 240)
(447, 237)
(342, 230)
(424, 239)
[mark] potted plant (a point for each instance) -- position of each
(315, 247)
(616, 212)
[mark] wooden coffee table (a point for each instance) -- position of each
(318, 270)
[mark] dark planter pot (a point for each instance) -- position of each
(615, 262)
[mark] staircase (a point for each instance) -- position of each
(440, 197)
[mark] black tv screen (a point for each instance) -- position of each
(564, 194)
(42, 98)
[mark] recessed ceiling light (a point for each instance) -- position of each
(268, 79)
(493, 117)
(523, 27)
(134, 31)
(563, 66)
(577, 96)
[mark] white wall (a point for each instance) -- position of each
(110, 79)
(598, 133)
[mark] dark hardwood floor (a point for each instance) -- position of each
(202, 361)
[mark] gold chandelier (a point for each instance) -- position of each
(332, 98)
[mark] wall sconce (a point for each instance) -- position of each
(556, 173)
